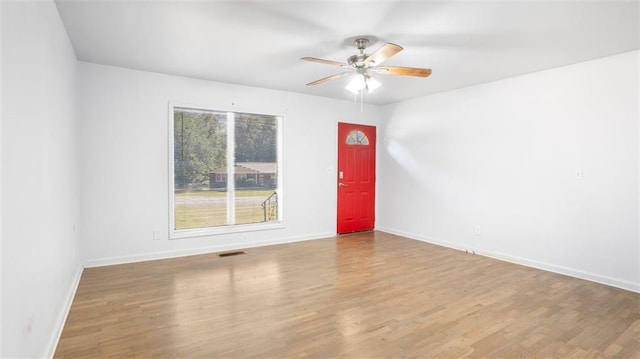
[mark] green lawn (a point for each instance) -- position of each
(199, 209)
(240, 193)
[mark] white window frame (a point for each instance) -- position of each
(229, 228)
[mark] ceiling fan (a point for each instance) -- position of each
(363, 66)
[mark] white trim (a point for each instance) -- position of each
(279, 175)
(101, 262)
(231, 169)
(228, 229)
(62, 316)
(171, 176)
(592, 277)
(1, 126)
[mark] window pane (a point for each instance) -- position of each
(357, 138)
(256, 176)
(200, 155)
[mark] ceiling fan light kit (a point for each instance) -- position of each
(362, 67)
(362, 83)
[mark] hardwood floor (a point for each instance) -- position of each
(367, 295)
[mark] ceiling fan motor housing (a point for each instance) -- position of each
(357, 61)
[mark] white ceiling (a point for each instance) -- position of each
(260, 43)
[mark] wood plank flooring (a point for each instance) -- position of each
(370, 295)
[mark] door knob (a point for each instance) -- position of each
(342, 184)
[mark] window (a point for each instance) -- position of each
(357, 138)
(225, 171)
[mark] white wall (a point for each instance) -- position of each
(638, 104)
(40, 205)
(1, 114)
(505, 156)
(124, 161)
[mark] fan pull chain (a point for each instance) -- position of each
(355, 98)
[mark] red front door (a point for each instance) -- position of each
(356, 177)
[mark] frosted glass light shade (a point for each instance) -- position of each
(357, 84)
(372, 84)
(360, 82)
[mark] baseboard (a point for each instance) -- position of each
(613, 282)
(430, 240)
(62, 316)
(101, 262)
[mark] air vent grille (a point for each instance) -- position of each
(229, 254)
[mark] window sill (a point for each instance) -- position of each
(222, 230)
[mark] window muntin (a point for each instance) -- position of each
(210, 147)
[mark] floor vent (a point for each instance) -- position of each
(229, 254)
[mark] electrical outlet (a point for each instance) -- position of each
(579, 174)
(244, 236)
(157, 236)
(478, 230)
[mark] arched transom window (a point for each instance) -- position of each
(357, 138)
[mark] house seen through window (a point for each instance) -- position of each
(225, 169)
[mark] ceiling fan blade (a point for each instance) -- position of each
(323, 61)
(329, 78)
(405, 71)
(383, 53)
